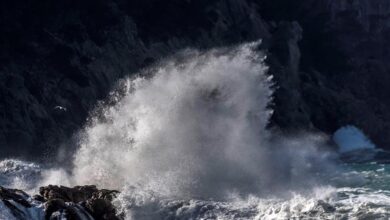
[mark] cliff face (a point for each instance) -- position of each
(344, 68)
(363, 30)
(59, 58)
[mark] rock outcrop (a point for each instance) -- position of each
(59, 202)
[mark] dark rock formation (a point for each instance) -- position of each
(343, 74)
(57, 59)
(57, 202)
(11, 197)
(96, 202)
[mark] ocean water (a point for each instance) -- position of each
(356, 191)
(188, 139)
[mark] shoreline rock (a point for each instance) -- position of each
(60, 202)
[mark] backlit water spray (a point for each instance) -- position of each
(196, 128)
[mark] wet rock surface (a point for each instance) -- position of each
(59, 202)
(60, 59)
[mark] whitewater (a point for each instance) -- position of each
(188, 138)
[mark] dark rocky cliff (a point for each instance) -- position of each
(57, 59)
(344, 70)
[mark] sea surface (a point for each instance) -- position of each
(357, 191)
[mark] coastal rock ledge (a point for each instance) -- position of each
(60, 202)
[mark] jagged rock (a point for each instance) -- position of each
(97, 202)
(15, 195)
(76, 194)
(76, 203)
(101, 209)
(16, 201)
(54, 205)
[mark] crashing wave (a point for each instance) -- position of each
(19, 174)
(195, 127)
(188, 140)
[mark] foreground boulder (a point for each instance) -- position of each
(59, 202)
